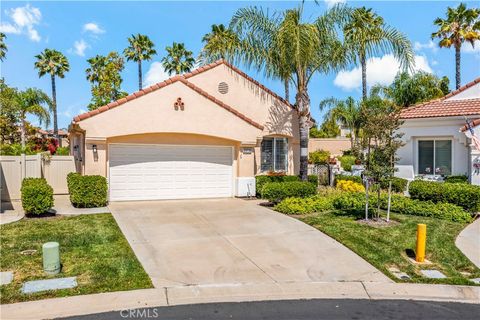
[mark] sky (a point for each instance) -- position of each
(84, 29)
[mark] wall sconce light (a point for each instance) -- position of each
(94, 148)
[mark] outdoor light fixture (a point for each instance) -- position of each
(94, 148)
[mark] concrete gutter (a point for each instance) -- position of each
(468, 241)
(180, 295)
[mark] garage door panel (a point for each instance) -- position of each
(150, 172)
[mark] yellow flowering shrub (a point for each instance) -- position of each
(350, 186)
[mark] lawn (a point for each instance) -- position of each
(92, 248)
(386, 247)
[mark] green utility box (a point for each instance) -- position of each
(51, 257)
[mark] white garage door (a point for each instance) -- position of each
(153, 172)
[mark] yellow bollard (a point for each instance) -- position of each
(421, 242)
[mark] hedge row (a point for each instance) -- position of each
(305, 205)
(464, 195)
(356, 179)
(403, 205)
(398, 184)
(262, 180)
(277, 191)
(456, 179)
(87, 191)
(37, 195)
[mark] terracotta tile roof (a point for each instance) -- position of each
(183, 79)
(445, 108)
(61, 132)
(474, 123)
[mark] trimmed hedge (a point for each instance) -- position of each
(356, 179)
(456, 179)
(347, 162)
(398, 184)
(464, 195)
(260, 181)
(37, 195)
(403, 205)
(305, 205)
(277, 191)
(87, 191)
(350, 186)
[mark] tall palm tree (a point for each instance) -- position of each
(346, 112)
(3, 46)
(35, 102)
(178, 59)
(220, 43)
(284, 46)
(366, 35)
(55, 64)
(141, 48)
(461, 25)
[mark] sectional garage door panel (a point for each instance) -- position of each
(155, 172)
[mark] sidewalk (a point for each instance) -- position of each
(468, 241)
(11, 212)
(171, 296)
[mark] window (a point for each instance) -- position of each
(435, 157)
(274, 156)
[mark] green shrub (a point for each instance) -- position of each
(319, 157)
(62, 151)
(37, 195)
(313, 178)
(456, 179)
(403, 205)
(260, 181)
(347, 162)
(277, 191)
(304, 205)
(464, 195)
(398, 184)
(356, 179)
(87, 191)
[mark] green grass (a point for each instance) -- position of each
(92, 248)
(385, 247)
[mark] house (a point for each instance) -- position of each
(434, 134)
(203, 134)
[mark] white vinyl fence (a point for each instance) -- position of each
(54, 171)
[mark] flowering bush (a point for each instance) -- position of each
(350, 186)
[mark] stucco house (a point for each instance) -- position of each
(203, 134)
(434, 134)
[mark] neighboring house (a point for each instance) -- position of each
(62, 135)
(336, 146)
(198, 135)
(434, 141)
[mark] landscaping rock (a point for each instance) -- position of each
(399, 274)
(50, 284)
(6, 277)
(475, 280)
(433, 274)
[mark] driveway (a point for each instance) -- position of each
(232, 241)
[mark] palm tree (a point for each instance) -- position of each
(220, 43)
(141, 48)
(178, 59)
(285, 47)
(32, 101)
(461, 25)
(346, 112)
(367, 35)
(3, 46)
(55, 64)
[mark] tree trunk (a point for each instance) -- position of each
(389, 199)
(54, 109)
(140, 86)
(22, 134)
(287, 90)
(457, 66)
(366, 197)
(364, 77)
(303, 109)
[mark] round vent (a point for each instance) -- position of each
(223, 87)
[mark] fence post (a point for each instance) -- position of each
(23, 163)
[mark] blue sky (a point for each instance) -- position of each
(83, 29)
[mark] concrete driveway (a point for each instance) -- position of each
(232, 241)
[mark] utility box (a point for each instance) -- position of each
(245, 187)
(51, 257)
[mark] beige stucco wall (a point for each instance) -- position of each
(335, 145)
(152, 118)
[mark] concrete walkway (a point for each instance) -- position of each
(233, 241)
(468, 241)
(116, 301)
(63, 206)
(11, 212)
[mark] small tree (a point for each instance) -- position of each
(381, 120)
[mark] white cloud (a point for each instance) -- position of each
(467, 47)
(93, 28)
(422, 46)
(379, 71)
(155, 74)
(80, 47)
(331, 3)
(24, 21)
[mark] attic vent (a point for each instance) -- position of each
(223, 87)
